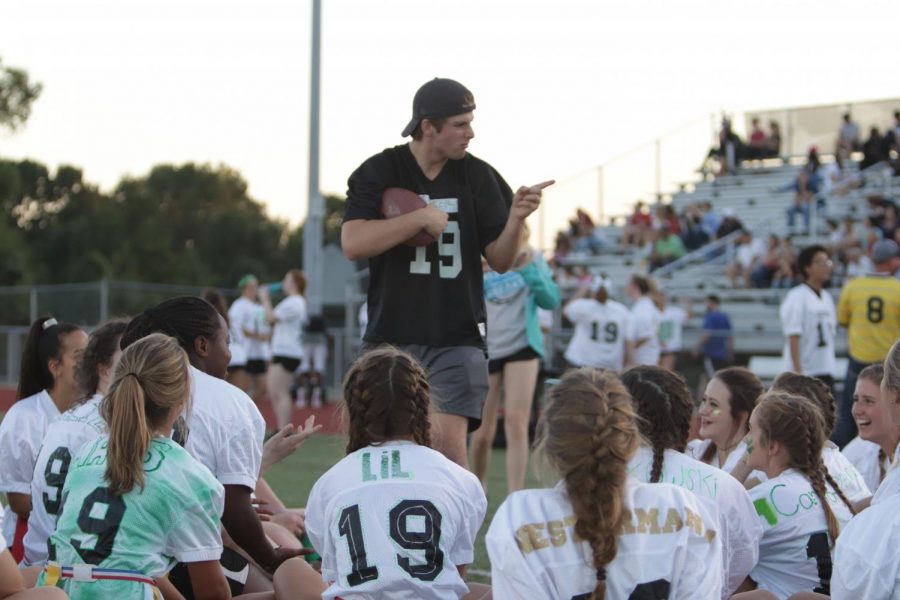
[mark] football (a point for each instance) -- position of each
(398, 201)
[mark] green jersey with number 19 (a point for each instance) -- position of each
(175, 518)
(395, 521)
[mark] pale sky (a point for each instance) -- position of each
(561, 85)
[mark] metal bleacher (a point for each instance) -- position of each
(754, 198)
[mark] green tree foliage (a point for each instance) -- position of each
(17, 93)
(189, 223)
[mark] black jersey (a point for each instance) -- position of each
(430, 295)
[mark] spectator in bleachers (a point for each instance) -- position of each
(729, 223)
(728, 152)
(756, 148)
(889, 222)
(873, 150)
(836, 179)
(773, 142)
(848, 137)
(638, 227)
(786, 274)
(588, 237)
(693, 234)
(709, 219)
(749, 253)
(768, 265)
(844, 238)
(891, 140)
(667, 247)
(858, 264)
(666, 215)
(870, 234)
(806, 186)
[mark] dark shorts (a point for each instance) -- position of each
(255, 366)
(458, 377)
(234, 566)
(525, 354)
(290, 364)
(236, 368)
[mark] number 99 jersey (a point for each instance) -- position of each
(395, 521)
(668, 547)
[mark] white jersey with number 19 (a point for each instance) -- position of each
(599, 337)
(811, 316)
(395, 521)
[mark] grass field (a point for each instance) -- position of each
(294, 477)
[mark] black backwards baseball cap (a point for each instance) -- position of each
(437, 99)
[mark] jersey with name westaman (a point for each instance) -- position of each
(739, 528)
(395, 521)
(668, 547)
(867, 557)
(795, 550)
(175, 518)
(812, 316)
(430, 295)
(21, 433)
(599, 337)
(64, 437)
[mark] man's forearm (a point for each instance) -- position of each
(502, 252)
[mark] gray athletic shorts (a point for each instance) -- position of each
(458, 376)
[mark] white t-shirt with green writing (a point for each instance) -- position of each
(795, 550)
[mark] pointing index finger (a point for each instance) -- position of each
(542, 185)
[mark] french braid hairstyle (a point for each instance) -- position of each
(99, 352)
(811, 389)
(386, 397)
(875, 374)
(797, 424)
(664, 406)
(745, 389)
(588, 434)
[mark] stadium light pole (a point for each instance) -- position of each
(315, 213)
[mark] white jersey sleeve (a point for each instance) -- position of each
(863, 455)
(578, 310)
(226, 430)
(795, 551)
(844, 474)
(3, 544)
(739, 528)
(395, 521)
(867, 557)
(669, 547)
(64, 437)
(21, 433)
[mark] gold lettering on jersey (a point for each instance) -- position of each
(673, 522)
(647, 519)
(523, 540)
(627, 525)
(391, 467)
(557, 532)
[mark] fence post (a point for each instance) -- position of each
(600, 207)
(104, 300)
(32, 304)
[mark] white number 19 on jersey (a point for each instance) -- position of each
(450, 255)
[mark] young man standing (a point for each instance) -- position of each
(808, 318)
(428, 300)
